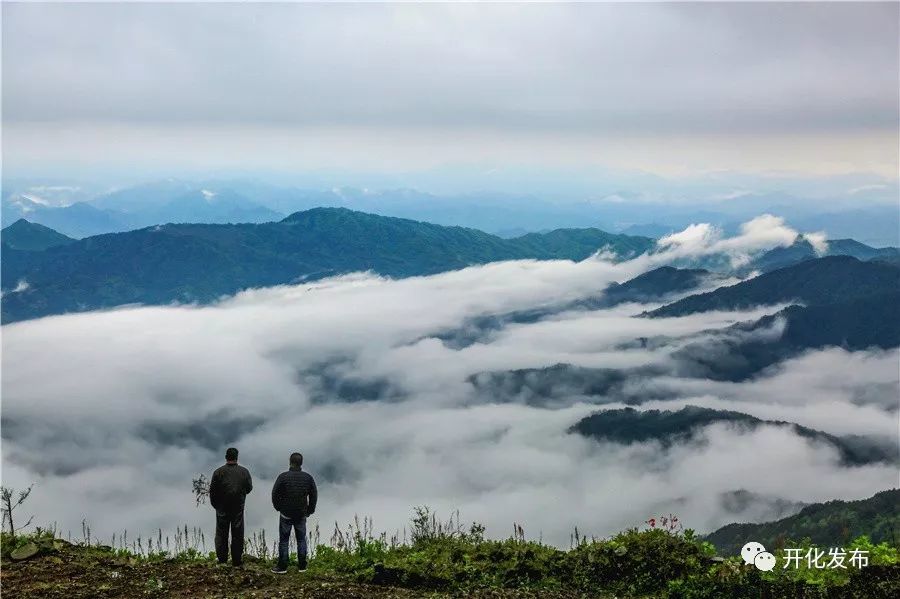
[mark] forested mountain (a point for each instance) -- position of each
(23, 235)
(201, 263)
(830, 524)
(815, 282)
(859, 324)
(872, 321)
(627, 426)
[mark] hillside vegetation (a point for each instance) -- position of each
(828, 524)
(440, 560)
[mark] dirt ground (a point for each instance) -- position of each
(75, 572)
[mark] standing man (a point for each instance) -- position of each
(227, 489)
(294, 497)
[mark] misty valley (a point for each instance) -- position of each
(595, 391)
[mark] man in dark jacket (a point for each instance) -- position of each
(294, 497)
(227, 489)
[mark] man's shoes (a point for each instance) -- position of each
(279, 570)
(301, 565)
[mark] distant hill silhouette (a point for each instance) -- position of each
(627, 426)
(200, 263)
(167, 201)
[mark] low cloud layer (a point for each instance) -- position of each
(112, 413)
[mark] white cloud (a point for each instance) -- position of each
(19, 288)
(761, 233)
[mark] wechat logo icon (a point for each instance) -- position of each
(754, 553)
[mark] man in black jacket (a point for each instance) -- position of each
(294, 497)
(228, 487)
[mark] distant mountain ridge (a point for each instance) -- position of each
(24, 235)
(627, 426)
(802, 250)
(815, 282)
(167, 201)
(200, 263)
(861, 324)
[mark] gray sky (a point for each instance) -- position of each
(670, 88)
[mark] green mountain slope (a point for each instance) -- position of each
(830, 524)
(23, 235)
(814, 282)
(203, 262)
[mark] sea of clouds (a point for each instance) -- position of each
(112, 413)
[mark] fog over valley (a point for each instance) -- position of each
(436, 390)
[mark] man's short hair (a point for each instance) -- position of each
(296, 459)
(231, 454)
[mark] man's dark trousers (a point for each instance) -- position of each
(234, 520)
(285, 525)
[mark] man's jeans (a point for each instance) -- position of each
(234, 520)
(284, 536)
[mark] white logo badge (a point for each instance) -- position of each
(764, 561)
(751, 550)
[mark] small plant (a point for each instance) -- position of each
(9, 507)
(669, 524)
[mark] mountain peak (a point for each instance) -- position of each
(332, 211)
(26, 235)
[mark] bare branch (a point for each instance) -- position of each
(201, 489)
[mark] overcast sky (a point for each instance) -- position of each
(669, 88)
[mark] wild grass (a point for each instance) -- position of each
(445, 554)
